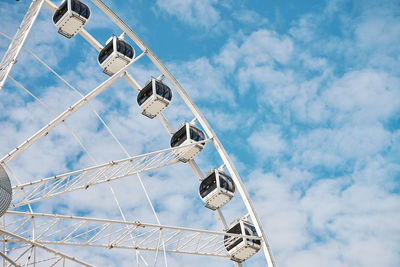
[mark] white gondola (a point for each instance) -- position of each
(188, 134)
(240, 249)
(71, 17)
(5, 191)
(216, 189)
(115, 55)
(154, 98)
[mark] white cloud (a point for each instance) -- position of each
(329, 224)
(229, 56)
(331, 147)
(309, 118)
(228, 121)
(263, 44)
(249, 17)
(267, 142)
(304, 28)
(363, 96)
(255, 58)
(196, 13)
(203, 81)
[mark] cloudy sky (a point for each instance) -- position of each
(304, 95)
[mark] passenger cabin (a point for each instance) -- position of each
(154, 98)
(188, 134)
(71, 17)
(115, 55)
(216, 189)
(239, 248)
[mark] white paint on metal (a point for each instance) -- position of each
(41, 189)
(10, 58)
(115, 234)
(181, 91)
(203, 122)
(63, 116)
(9, 259)
(39, 245)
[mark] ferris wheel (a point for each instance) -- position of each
(49, 238)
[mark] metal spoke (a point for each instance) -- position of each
(10, 58)
(48, 255)
(203, 122)
(25, 233)
(63, 116)
(53, 229)
(82, 179)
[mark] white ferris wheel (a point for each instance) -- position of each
(51, 238)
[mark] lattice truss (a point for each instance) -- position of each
(41, 189)
(49, 229)
(10, 58)
(30, 238)
(19, 251)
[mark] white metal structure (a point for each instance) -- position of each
(115, 55)
(241, 249)
(216, 189)
(71, 17)
(35, 238)
(10, 58)
(188, 134)
(31, 192)
(154, 98)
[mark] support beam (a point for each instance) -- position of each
(199, 175)
(42, 189)
(203, 122)
(116, 234)
(50, 5)
(9, 259)
(195, 111)
(37, 244)
(63, 116)
(10, 58)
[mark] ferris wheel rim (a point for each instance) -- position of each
(206, 126)
(198, 115)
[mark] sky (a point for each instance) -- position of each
(304, 96)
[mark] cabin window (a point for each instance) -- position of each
(60, 12)
(196, 134)
(124, 48)
(208, 185)
(223, 183)
(145, 93)
(231, 242)
(179, 137)
(251, 230)
(80, 8)
(163, 90)
(106, 51)
(227, 182)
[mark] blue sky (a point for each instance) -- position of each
(303, 95)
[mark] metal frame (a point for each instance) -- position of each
(218, 189)
(92, 232)
(63, 116)
(244, 242)
(115, 55)
(41, 189)
(71, 13)
(198, 147)
(10, 59)
(153, 97)
(203, 122)
(11, 237)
